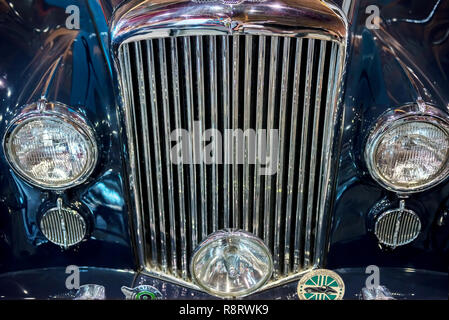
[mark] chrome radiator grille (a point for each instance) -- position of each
(241, 81)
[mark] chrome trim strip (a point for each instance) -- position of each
(313, 154)
(181, 190)
(235, 125)
(190, 126)
(226, 124)
(274, 51)
(146, 142)
(199, 54)
(157, 151)
(346, 6)
(303, 160)
(143, 19)
(168, 164)
(280, 171)
(259, 124)
(292, 151)
(326, 167)
(133, 153)
(247, 125)
(214, 125)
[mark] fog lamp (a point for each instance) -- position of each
(231, 263)
(409, 153)
(63, 226)
(50, 146)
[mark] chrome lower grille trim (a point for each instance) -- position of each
(238, 82)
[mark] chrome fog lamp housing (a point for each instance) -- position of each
(408, 149)
(397, 227)
(63, 226)
(50, 146)
(231, 263)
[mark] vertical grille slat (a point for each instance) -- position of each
(259, 126)
(154, 106)
(268, 224)
(180, 168)
(311, 208)
(226, 124)
(235, 125)
(166, 143)
(280, 171)
(146, 150)
(221, 82)
(247, 125)
(214, 126)
(190, 127)
(202, 123)
(325, 166)
(303, 157)
(292, 153)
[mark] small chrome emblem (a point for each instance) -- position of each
(321, 284)
(143, 292)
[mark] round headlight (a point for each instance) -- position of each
(50, 146)
(231, 263)
(409, 150)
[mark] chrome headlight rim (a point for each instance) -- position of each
(393, 119)
(58, 112)
(234, 234)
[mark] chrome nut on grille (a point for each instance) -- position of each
(63, 226)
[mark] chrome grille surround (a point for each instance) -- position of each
(156, 55)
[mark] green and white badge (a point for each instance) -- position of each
(321, 284)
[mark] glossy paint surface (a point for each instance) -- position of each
(23, 284)
(405, 61)
(404, 284)
(40, 56)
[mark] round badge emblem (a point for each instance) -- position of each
(321, 284)
(143, 292)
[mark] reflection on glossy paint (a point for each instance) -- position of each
(425, 20)
(106, 192)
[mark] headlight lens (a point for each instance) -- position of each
(51, 150)
(410, 154)
(231, 263)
